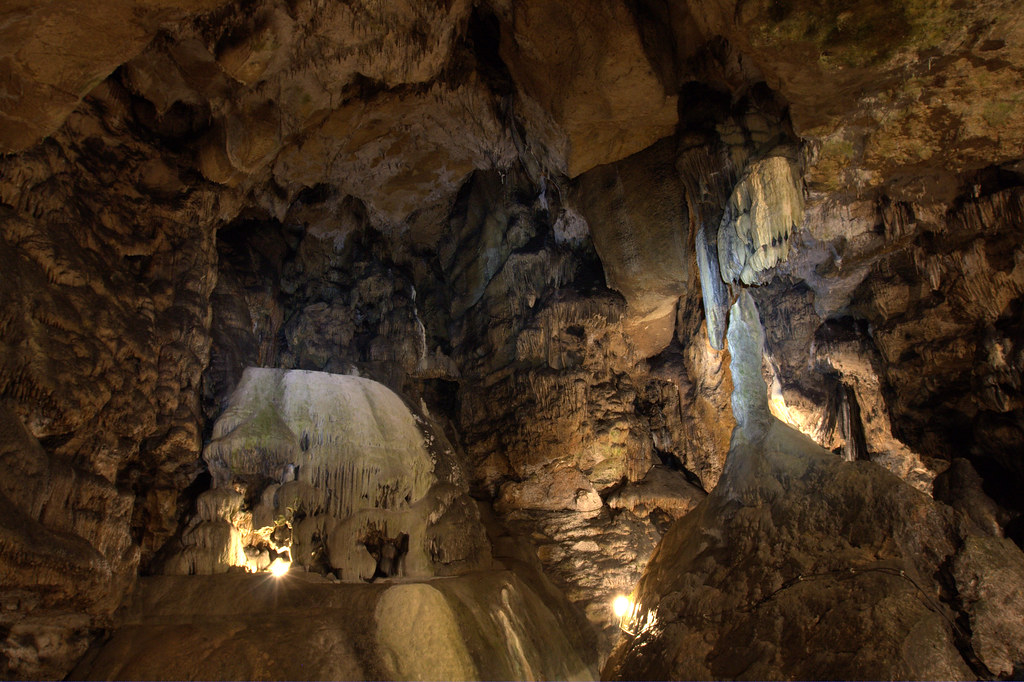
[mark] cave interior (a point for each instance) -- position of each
(511, 339)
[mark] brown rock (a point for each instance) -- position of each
(174, 626)
(662, 489)
(440, 134)
(637, 220)
(856, 81)
(45, 84)
(791, 536)
(585, 64)
(988, 576)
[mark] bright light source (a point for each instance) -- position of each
(279, 567)
(622, 605)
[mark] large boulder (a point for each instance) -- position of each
(640, 226)
(585, 64)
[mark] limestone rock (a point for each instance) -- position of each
(962, 488)
(327, 467)
(103, 331)
(591, 557)
(488, 625)
(42, 85)
(662, 489)
(856, 82)
(333, 430)
(551, 490)
(593, 80)
(65, 566)
(791, 531)
(917, 320)
(712, 287)
(855, 365)
(494, 209)
(638, 223)
(765, 208)
(441, 134)
(490, 224)
(988, 575)
(707, 176)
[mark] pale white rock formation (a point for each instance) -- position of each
(713, 291)
(350, 437)
(339, 476)
(764, 209)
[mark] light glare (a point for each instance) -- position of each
(622, 605)
(279, 567)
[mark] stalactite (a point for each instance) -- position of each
(764, 209)
(850, 426)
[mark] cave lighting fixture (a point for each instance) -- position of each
(279, 568)
(621, 606)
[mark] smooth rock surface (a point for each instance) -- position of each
(237, 626)
(585, 65)
(330, 472)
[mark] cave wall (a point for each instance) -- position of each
(110, 262)
(518, 215)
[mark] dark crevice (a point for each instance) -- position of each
(672, 461)
(850, 425)
(483, 38)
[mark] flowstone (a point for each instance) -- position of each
(765, 208)
(335, 474)
(488, 625)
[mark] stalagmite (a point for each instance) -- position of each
(527, 219)
(797, 545)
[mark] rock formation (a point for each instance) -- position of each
(523, 224)
(796, 548)
(331, 472)
(488, 626)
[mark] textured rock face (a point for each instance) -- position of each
(778, 561)
(529, 220)
(63, 564)
(43, 84)
(585, 65)
(637, 216)
(919, 303)
(109, 261)
(874, 87)
(556, 404)
(764, 209)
